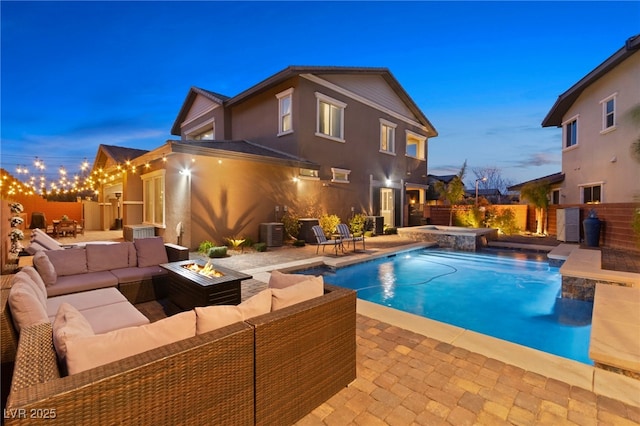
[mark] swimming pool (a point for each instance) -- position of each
(509, 297)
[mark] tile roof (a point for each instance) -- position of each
(550, 179)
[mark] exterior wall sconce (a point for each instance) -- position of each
(185, 172)
(388, 182)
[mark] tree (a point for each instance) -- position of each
(494, 179)
(537, 193)
(453, 191)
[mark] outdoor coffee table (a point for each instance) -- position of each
(189, 287)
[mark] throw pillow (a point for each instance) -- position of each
(45, 268)
(257, 304)
(68, 324)
(26, 308)
(281, 280)
(309, 289)
(85, 353)
(72, 261)
(150, 251)
(210, 318)
(104, 257)
(33, 278)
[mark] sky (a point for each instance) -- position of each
(75, 75)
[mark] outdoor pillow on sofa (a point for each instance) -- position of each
(308, 289)
(104, 257)
(150, 251)
(45, 268)
(84, 353)
(68, 324)
(25, 302)
(282, 280)
(210, 318)
(71, 261)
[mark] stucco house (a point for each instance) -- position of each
(340, 140)
(598, 131)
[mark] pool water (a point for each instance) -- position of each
(509, 297)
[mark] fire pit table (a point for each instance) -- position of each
(198, 283)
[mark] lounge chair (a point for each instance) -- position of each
(321, 240)
(348, 237)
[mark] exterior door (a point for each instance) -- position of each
(386, 206)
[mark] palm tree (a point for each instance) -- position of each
(537, 193)
(453, 191)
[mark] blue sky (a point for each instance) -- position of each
(78, 74)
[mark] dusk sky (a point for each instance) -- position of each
(79, 74)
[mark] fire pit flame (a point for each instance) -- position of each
(206, 270)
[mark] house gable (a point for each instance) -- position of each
(197, 106)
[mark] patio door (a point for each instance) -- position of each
(386, 206)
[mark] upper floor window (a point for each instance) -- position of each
(592, 194)
(153, 198)
(555, 196)
(202, 132)
(308, 173)
(330, 120)
(608, 113)
(285, 118)
(387, 137)
(571, 132)
(416, 146)
(340, 175)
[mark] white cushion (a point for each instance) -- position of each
(33, 278)
(85, 353)
(45, 268)
(305, 290)
(26, 307)
(210, 318)
(282, 280)
(68, 324)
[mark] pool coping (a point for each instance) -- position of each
(602, 382)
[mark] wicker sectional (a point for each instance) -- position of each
(270, 370)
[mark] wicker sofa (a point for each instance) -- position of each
(271, 369)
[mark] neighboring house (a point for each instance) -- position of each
(493, 195)
(598, 132)
(554, 181)
(433, 196)
(339, 140)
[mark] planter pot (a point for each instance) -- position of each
(591, 226)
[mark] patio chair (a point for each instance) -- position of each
(346, 235)
(322, 240)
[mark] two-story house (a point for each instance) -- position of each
(598, 131)
(310, 140)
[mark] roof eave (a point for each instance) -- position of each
(565, 100)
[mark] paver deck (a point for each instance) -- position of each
(405, 377)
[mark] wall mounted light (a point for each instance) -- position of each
(388, 182)
(185, 172)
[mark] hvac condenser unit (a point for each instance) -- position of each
(568, 224)
(272, 234)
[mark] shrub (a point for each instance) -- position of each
(504, 220)
(390, 230)
(299, 243)
(291, 225)
(356, 223)
(635, 225)
(368, 234)
(205, 246)
(260, 247)
(235, 242)
(472, 217)
(216, 252)
(328, 223)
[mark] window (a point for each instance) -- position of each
(571, 132)
(608, 113)
(340, 175)
(285, 119)
(203, 132)
(308, 173)
(387, 137)
(153, 198)
(555, 196)
(416, 145)
(592, 194)
(330, 122)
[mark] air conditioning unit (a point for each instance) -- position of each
(568, 224)
(272, 234)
